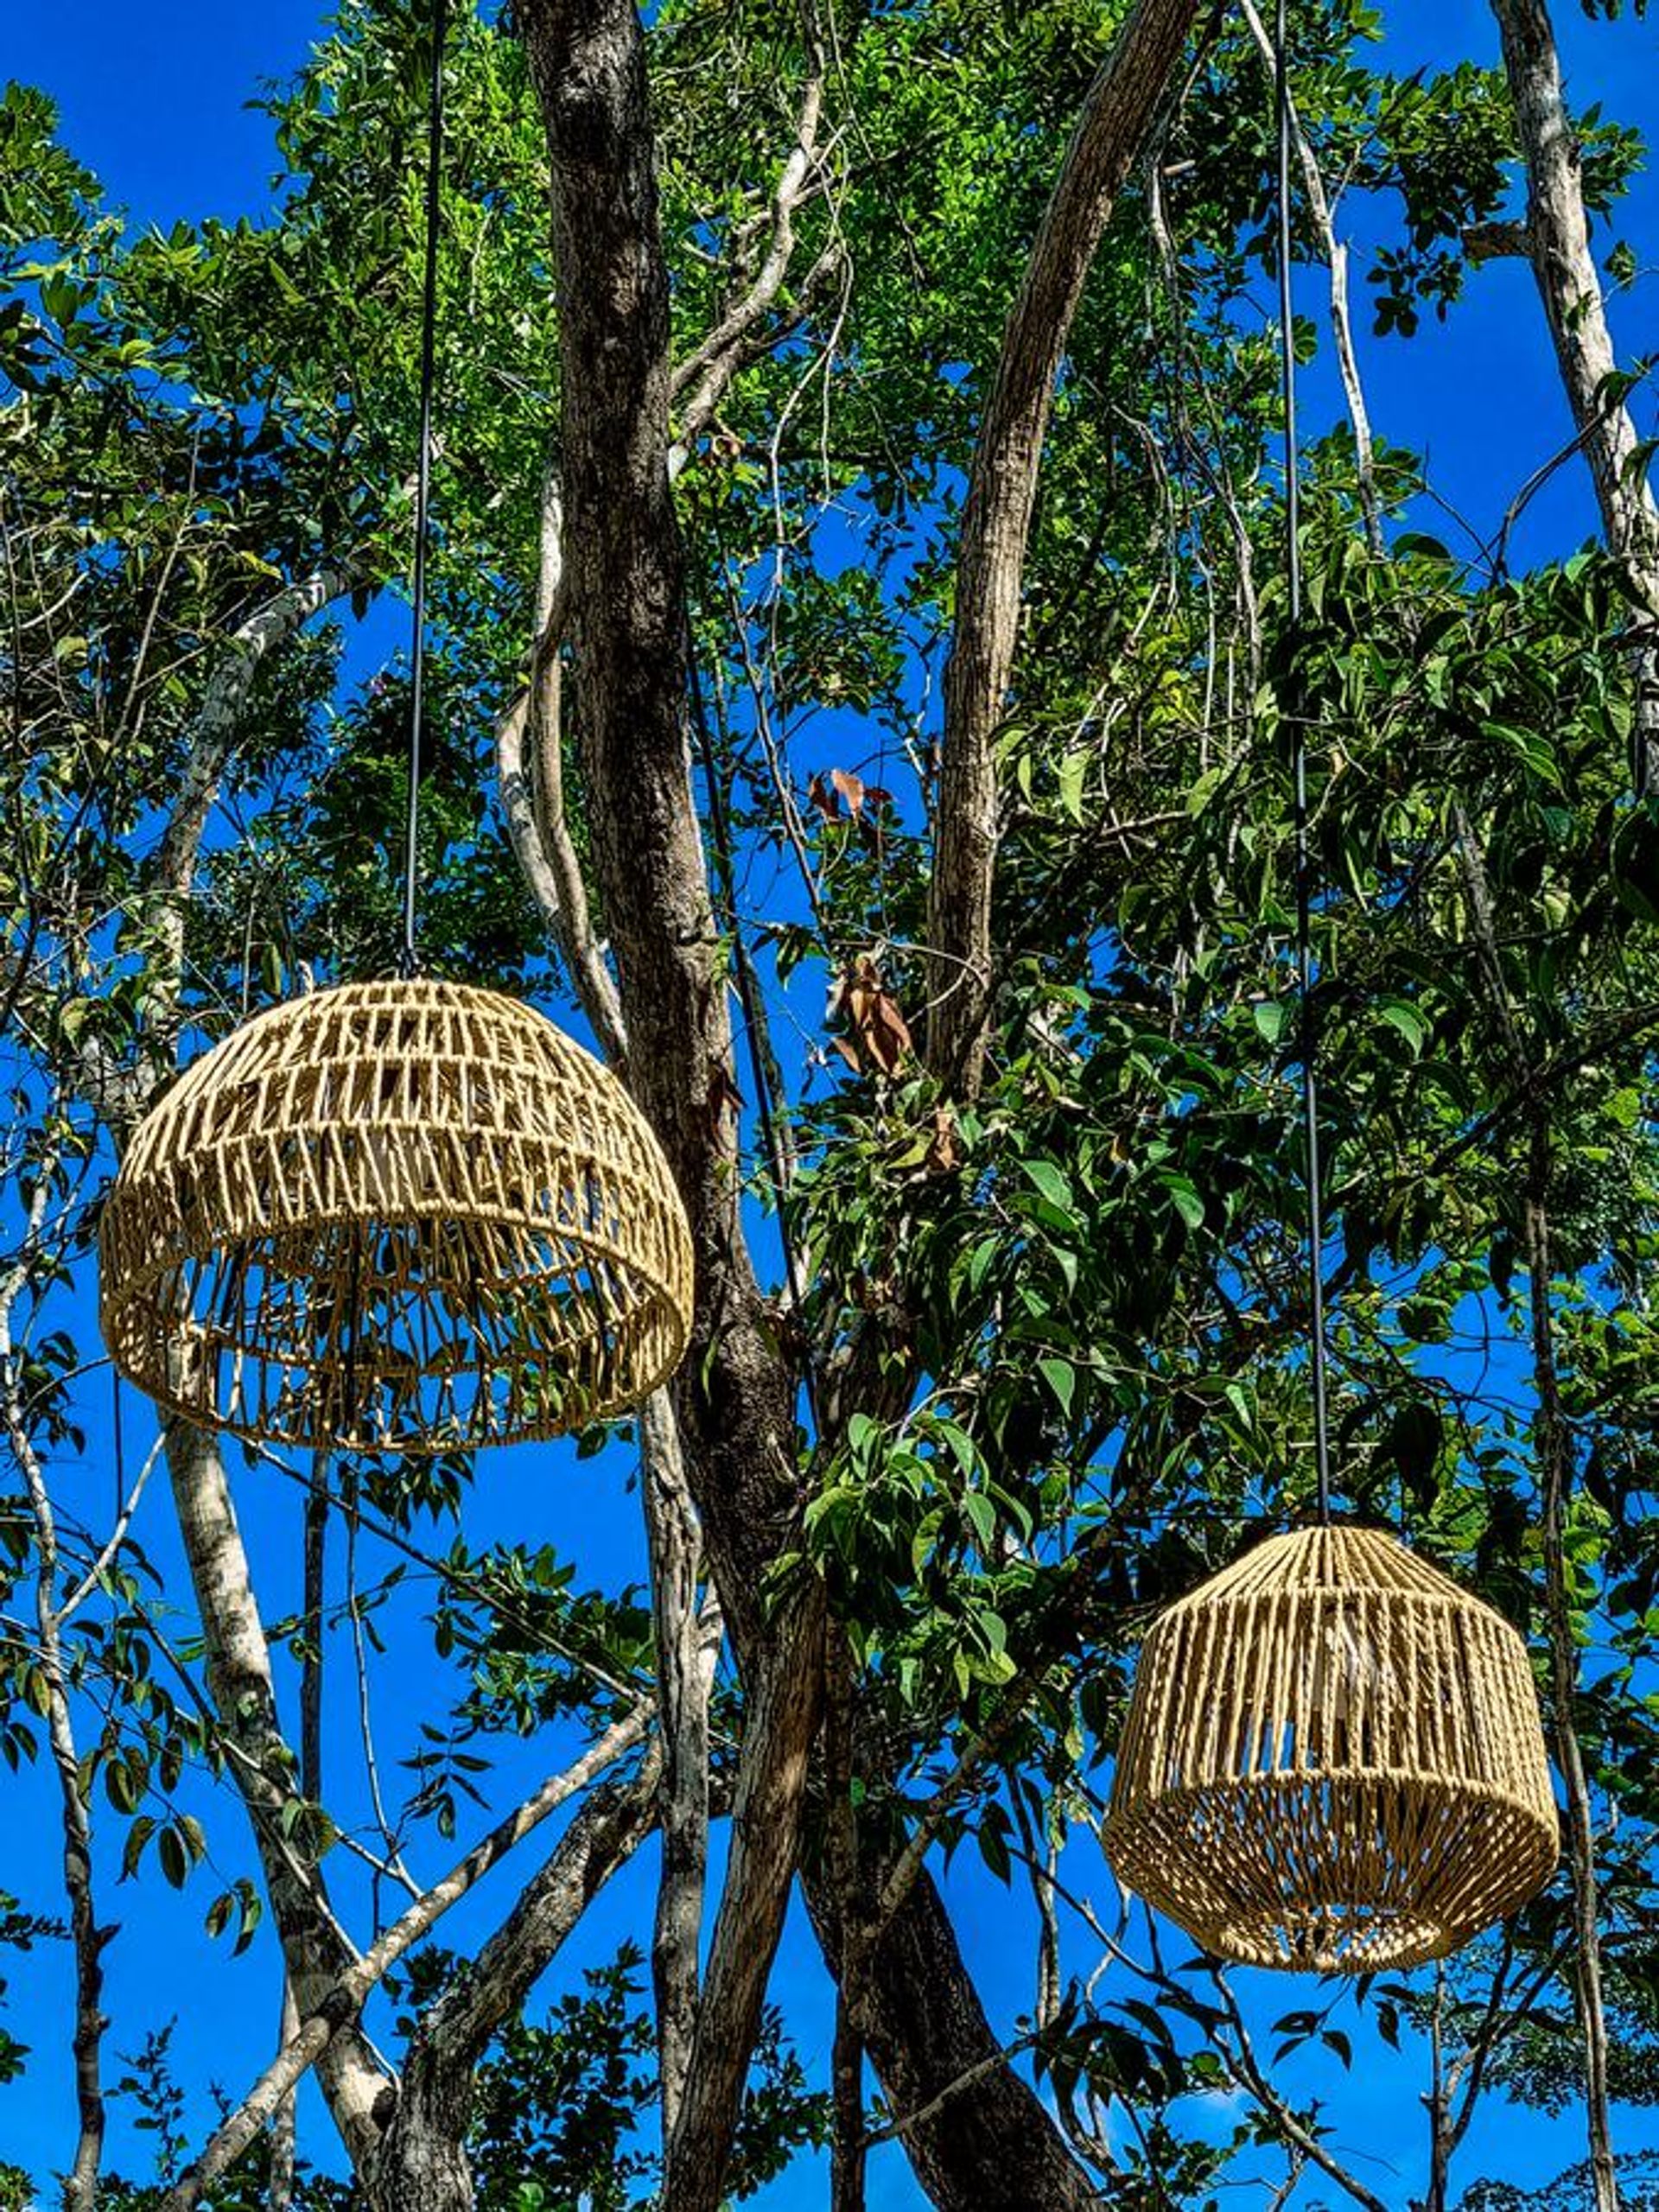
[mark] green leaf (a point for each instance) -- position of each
(1188, 1204)
(1050, 1183)
(1074, 770)
(1402, 1015)
(993, 1850)
(982, 1516)
(1061, 1378)
(175, 1861)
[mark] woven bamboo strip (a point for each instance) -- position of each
(405, 1217)
(1333, 1760)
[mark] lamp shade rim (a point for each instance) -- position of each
(1147, 1844)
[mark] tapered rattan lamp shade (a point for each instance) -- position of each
(402, 1216)
(1333, 1761)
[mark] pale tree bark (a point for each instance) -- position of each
(327, 1981)
(241, 1685)
(529, 769)
(1557, 243)
(342, 2003)
(88, 1939)
(684, 1678)
(285, 2121)
(213, 739)
(1321, 217)
(1117, 116)
(315, 1951)
(422, 2165)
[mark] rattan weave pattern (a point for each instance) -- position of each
(402, 1216)
(1333, 1761)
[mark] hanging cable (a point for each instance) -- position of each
(1308, 1044)
(409, 958)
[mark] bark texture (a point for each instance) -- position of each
(975, 2132)
(625, 616)
(626, 600)
(1557, 240)
(627, 613)
(315, 1949)
(423, 2165)
(996, 524)
(683, 1680)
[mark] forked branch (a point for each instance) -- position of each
(1119, 112)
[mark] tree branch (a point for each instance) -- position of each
(1557, 241)
(243, 1691)
(213, 735)
(712, 364)
(88, 1939)
(422, 2165)
(685, 1661)
(345, 1999)
(996, 525)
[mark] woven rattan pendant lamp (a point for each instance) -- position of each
(403, 1216)
(1333, 1759)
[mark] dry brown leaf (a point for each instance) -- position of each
(944, 1152)
(724, 1098)
(880, 1035)
(851, 788)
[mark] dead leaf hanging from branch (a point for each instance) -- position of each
(878, 1035)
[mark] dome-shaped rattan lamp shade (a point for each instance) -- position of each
(401, 1216)
(1333, 1761)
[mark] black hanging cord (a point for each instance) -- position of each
(1308, 1041)
(409, 958)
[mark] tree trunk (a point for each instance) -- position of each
(736, 1395)
(1558, 245)
(626, 601)
(785, 1690)
(240, 1680)
(975, 2132)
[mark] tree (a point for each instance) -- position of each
(858, 331)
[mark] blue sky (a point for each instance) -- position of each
(153, 99)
